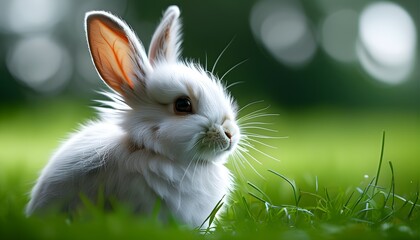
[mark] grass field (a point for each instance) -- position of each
(324, 185)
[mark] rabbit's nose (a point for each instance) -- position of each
(229, 128)
(228, 134)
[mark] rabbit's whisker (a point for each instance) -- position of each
(220, 55)
(247, 162)
(232, 68)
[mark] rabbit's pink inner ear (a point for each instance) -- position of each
(111, 52)
(159, 48)
(165, 44)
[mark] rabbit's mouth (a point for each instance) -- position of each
(217, 140)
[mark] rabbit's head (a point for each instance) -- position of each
(173, 108)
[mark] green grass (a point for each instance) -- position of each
(365, 212)
(327, 185)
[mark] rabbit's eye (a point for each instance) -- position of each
(183, 105)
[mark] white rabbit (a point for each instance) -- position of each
(169, 130)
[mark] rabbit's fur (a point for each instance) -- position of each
(168, 131)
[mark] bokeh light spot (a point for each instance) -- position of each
(339, 35)
(282, 28)
(387, 42)
(36, 15)
(40, 63)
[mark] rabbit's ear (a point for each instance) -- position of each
(166, 41)
(118, 55)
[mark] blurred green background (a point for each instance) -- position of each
(337, 72)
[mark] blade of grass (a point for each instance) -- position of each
(247, 208)
(380, 161)
(157, 209)
(392, 188)
(258, 198)
(292, 184)
(347, 202)
(313, 195)
(414, 204)
(327, 195)
(212, 215)
(260, 191)
(362, 195)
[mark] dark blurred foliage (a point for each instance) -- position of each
(208, 28)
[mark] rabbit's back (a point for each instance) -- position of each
(81, 166)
